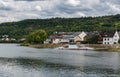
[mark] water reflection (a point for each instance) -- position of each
(21, 67)
(17, 61)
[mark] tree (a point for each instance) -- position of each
(36, 37)
(119, 41)
(92, 40)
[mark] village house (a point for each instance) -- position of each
(79, 36)
(54, 38)
(47, 41)
(104, 37)
(110, 37)
(5, 38)
(93, 36)
(73, 37)
(66, 37)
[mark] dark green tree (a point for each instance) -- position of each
(92, 40)
(21, 29)
(119, 41)
(37, 36)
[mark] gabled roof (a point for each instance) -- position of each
(67, 37)
(107, 33)
(54, 36)
(76, 33)
(92, 34)
(65, 33)
(119, 34)
(72, 35)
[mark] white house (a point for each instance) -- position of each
(66, 39)
(47, 41)
(5, 38)
(56, 41)
(111, 38)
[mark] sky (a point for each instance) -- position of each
(16, 10)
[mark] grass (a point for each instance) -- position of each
(42, 45)
(97, 47)
(115, 49)
(101, 47)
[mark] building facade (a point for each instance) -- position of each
(111, 38)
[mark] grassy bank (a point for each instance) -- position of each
(101, 47)
(97, 47)
(42, 45)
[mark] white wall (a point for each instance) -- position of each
(107, 40)
(111, 40)
(64, 40)
(56, 41)
(82, 35)
(116, 37)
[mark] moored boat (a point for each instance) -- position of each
(75, 47)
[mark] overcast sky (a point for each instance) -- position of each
(14, 10)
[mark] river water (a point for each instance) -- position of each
(20, 61)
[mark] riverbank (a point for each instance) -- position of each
(96, 47)
(101, 47)
(42, 45)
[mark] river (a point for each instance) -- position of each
(20, 61)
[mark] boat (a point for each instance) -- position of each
(86, 48)
(74, 47)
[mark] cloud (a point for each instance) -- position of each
(28, 0)
(114, 8)
(73, 2)
(14, 10)
(38, 8)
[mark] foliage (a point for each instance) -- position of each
(21, 28)
(37, 36)
(92, 40)
(119, 41)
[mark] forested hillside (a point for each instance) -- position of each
(22, 28)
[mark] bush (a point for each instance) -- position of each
(119, 41)
(36, 37)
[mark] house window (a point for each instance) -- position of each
(115, 43)
(104, 42)
(108, 39)
(115, 39)
(115, 35)
(108, 43)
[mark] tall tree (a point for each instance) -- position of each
(37, 36)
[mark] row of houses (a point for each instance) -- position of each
(105, 37)
(7, 38)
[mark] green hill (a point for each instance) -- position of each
(22, 28)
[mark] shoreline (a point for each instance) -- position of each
(41, 45)
(96, 47)
(102, 47)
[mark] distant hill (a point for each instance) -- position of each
(22, 28)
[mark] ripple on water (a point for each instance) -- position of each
(30, 62)
(34, 68)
